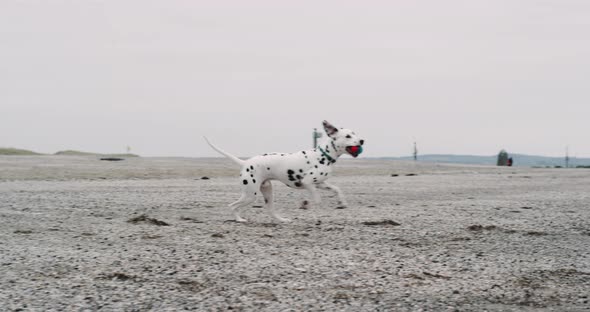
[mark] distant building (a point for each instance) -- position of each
(503, 158)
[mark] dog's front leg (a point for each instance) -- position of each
(341, 200)
(314, 196)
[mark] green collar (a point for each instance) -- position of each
(326, 155)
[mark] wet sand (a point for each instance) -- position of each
(150, 234)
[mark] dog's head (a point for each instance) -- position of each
(344, 140)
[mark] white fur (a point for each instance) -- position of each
(302, 170)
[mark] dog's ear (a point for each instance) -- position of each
(330, 130)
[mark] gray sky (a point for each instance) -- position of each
(462, 77)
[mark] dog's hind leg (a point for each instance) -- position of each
(315, 196)
(244, 201)
(250, 188)
(266, 189)
(341, 200)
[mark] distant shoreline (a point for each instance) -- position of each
(520, 160)
(9, 151)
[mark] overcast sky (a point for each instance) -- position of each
(460, 77)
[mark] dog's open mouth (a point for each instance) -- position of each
(355, 150)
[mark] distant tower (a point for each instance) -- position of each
(316, 136)
(415, 151)
(567, 157)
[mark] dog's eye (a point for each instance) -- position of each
(348, 136)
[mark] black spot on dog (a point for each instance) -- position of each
(303, 152)
(254, 181)
(298, 184)
(247, 170)
(252, 167)
(301, 170)
(251, 176)
(311, 172)
(290, 171)
(308, 162)
(266, 201)
(316, 166)
(245, 182)
(268, 168)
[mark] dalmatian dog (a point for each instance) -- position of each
(307, 170)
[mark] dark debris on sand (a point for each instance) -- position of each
(145, 219)
(382, 222)
(117, 276)
(479, 227)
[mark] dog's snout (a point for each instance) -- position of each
(362, 142)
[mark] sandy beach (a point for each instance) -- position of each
(155, 234)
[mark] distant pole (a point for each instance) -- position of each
(415, 151)
(128, 149)
(316, 136)
(567, 157)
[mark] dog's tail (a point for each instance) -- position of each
(224, 153)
